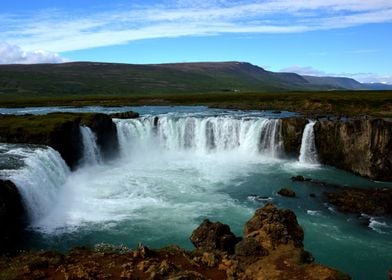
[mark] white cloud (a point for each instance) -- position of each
(360, 77)
(11, 54)
(60, 31)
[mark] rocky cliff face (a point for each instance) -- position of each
(292, 130)
(12, 215)
(360, 145)
(363, 146)
(61, 132)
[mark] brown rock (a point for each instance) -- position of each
(214, 236)
(286, 192)
(249, 247)
(292, 130)
(273, 227)
(368, 201)
(361, 145)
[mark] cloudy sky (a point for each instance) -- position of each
(319, 37)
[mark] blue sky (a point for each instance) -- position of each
(320, 37)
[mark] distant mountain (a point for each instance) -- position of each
(91, 78)
(335, 82)
(378, 86)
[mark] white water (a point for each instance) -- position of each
(247, 136)
(308, 152)
(39, 180)
(91, 152)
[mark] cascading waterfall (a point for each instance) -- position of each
(308, 152)
(91, 152)
(203, 134)
(39, 179)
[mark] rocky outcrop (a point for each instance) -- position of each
(292, 130)
(271, 249)
(286, 192)
(367, 201)
(361, 145)
(273, 227)
(214, 236)
(61, 132)
(125, 115)
(12, 215)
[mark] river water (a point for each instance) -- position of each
(173, 171)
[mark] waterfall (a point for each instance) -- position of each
(91, 152)
(271, 141)
(308, 152)
(253, 135)
(38, 177)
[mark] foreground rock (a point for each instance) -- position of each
(271, 249)
(12, 215)
(61, 132)
(367, 201)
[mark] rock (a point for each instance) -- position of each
(12, 216)
(286, 192)
(249, 247)
(214, 236)
(292, 130)
(312, 195)
(273, 227)
(360, 145)
(390, 275)
(367, 201)
(125, 115)
(298, 178)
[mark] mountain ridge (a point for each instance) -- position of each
(100, 78)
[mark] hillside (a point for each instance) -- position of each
(88, 78)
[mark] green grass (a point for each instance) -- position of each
(350, 103)
(38, 126)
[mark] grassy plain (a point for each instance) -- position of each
(350, 103)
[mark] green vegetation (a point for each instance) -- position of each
(375, 103)
(39, 126)
(225, 85)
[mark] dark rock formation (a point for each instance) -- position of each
(286, 192)
(12, 216)
(368, 201)
(360, 145)
(106, 132)
(249, 247)
(299, 178)
(214, 236)
(292, 130)
(125, 115)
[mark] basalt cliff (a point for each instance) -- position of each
(359, 145)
